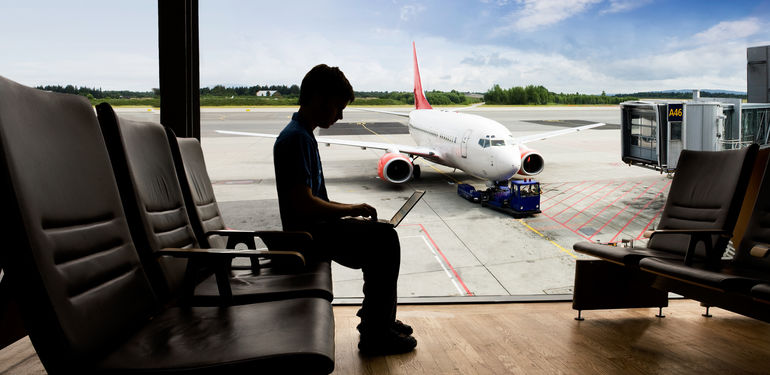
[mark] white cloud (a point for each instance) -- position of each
(536, 14)
(127, 71)
(620, 6)
(385, 63)
(714, 58)
(729, 30)
(411, 11)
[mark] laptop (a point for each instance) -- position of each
(408, 205)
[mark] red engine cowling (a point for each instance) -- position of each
(532, 162)
(395, 167)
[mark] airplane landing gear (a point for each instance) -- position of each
(416, 171)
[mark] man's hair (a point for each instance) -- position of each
(325, 81)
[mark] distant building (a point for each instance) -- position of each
(266, 92)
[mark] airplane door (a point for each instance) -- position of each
(464, 144)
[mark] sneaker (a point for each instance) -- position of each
(402, 328)
(398, 326)
(385, 343)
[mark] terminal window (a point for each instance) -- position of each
(643, 141)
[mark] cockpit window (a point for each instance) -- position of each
(498, 142)
(484, 143)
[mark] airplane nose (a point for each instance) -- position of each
(514, 157)
(509, 163)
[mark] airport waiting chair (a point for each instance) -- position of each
(208, 225)
(732, 282)
(86, 301)
(158, 218)
(700, 212)
(696, 224)
(205, 217)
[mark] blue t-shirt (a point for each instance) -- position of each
(296, 161)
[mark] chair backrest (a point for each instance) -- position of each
(758, 229)
(67, 250)
(197, 190)
(152, 197)
(706, 193)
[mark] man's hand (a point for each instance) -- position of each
(363, 210)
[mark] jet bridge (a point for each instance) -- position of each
(653, 133)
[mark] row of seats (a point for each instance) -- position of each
(685, 255)
(118, 256)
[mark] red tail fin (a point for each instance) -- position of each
(419, 96)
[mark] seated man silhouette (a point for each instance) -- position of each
(348, 234)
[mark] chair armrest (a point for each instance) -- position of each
(300, 241)
(720, 232)
(220, 260)
(697, 235)
(285, 255)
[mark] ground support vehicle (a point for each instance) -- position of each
(520, 198)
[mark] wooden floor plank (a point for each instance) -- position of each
(544, 338)
(540, 338)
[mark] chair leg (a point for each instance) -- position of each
(579, 317)
(660, 313)
(707, 315)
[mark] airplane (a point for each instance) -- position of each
(479, 146)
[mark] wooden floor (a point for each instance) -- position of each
(541, 338)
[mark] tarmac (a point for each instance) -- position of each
(450, 246)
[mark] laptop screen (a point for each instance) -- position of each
(408, 205)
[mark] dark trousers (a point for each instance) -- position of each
(372, 247)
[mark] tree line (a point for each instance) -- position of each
(280, 90)
(685, 95)
(94, 93)
(405, 97)
(289, 95)
(538, 95)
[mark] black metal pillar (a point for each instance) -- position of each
(179, 66)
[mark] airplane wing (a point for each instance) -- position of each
(407, 115)
(381, 111)
(391, 147)
(464, 108)
(537, 137)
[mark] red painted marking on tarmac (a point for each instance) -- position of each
(571, 195)
(581, 199)
(609, 205)
(640, 211)
(639, 237)
(624, 208)
(594, 202)
(545, 200)
(564, 226)
(457, 276)
(552, 188)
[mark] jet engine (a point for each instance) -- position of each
(532, 162)
(395, 167)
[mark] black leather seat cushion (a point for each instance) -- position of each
(270, 337)
(313, 281)
(623, 255)
(728, 278)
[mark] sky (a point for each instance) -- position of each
(586, 46)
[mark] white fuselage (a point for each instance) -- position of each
(477, 145)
